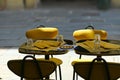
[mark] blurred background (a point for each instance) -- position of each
(17, 16)
(19, 4)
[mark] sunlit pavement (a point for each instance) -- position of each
(67, 70)
(14, 23)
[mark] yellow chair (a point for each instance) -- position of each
(32, 69)
(42, 33)
(89, 34)
(96, 70)
(45, 33)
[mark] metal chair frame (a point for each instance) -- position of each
(99, 59)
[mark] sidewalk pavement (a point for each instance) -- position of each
(14, 23)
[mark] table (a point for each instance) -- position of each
(109, 52)
(81, 49)
(45, 47)
(37, 51)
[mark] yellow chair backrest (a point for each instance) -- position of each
(30, 70)
(88, 34)
(42, 33)
(98, 71)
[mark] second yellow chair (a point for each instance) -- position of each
(45, 33)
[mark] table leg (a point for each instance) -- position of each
(46, 57)
(99, 56)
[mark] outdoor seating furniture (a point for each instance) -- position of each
(30, 68)
(48, 34)
(45, 33)
(42, 33)
(89, 33)
(97, 69)
(85, 45)
(107, 48)
(24, 49)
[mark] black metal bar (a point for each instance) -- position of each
(105, 64)
(23, 65)
(46, 57)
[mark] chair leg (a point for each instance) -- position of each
(60, 72)
(56, 74)
(73, 75)
(51, 56)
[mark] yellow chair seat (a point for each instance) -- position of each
(81, 60)
(102, 33)
(88, 34)
(42, 33)
(55, 60)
